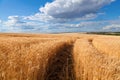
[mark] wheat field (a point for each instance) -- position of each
(66, 56)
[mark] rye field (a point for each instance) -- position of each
(67, 56)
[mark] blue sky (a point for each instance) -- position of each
(20, 7)
(49, 16)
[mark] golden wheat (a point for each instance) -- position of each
(89, 64)
(109, 45)
(26, 59)
(59, 57)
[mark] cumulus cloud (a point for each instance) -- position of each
(69, 15)
(12, 20)
(112, 27)
(70, 10)
(46, 18)
(0, 21)
(18, 24)
(16, 21)
(73, 8)
(77, 27)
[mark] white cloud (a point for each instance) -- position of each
(0, 21)
(70, 10)
(69, 15)
(18, 24)
(46, 18)
(16, 21)
(112, 26)
(73, 8)
(90, 24)
(39, 17)
(12, 20)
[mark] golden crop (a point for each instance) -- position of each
(90, 64)
(108, 45)
(59, 57)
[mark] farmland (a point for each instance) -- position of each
(65, 56)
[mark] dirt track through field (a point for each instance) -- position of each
(61, 65)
